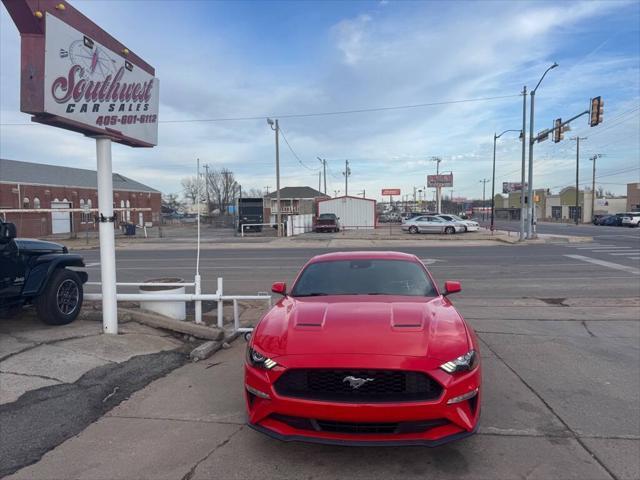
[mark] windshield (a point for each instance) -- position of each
(364, 277)
(327, 216)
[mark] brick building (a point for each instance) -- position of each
(633, 197)
(30, 186)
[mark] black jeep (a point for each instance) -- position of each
(35, 272)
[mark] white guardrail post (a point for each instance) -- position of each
(198, 306)
(220, 303)
(236, 315)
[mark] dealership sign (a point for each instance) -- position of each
(76, 76)
(89, 84)
(442, 180)
(390, 191)
(508, 187)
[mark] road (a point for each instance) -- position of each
(560, 343)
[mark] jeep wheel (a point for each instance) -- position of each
(61, 300)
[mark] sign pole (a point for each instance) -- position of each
(106, 220)
(390, 206)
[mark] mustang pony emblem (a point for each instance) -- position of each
(355, 382)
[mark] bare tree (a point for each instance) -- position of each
(224, 188)
(253, 193)
(190, 190)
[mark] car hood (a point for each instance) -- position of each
(373, 325)
(33, 246)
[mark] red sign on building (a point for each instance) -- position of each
(390, 191)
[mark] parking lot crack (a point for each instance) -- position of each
(44, 377)
(573, 434)
(192, 471)
(584, 324)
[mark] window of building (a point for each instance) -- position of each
(36, 202)
(556, 213)
(572, 213)
(25, 202)
(128, 211)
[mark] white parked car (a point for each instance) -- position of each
(467, 225)
(630, 219)
(431, 224)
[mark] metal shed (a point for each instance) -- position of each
(355, 213)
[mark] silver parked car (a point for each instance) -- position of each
(431, 224)
(467, 225)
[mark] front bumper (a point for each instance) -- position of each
(288, 419)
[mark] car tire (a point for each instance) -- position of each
(449, 230)
(464, 229)
(413, 229)
(61, 300)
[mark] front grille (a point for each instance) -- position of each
(379, 385)
(359, 428)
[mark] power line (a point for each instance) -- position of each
(295, 154)
(323, 114)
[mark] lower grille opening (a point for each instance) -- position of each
(361, 428)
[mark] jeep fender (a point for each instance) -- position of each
(45, 265)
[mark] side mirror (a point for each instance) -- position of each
(7, 232)
(280, 288)
(451, 287)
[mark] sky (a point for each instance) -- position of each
(219, 61)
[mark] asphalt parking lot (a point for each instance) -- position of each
(561, 350)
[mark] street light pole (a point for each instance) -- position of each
(323, 161)
(593, 186)
(575, 213)
(531, 209)
(276, 128)
(438, 188)
(493, 175)
(524, 166)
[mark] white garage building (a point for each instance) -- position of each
(355, 213)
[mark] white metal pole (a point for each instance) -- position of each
(107, 241)
(198, 290)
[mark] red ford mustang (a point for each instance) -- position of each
(364, 350)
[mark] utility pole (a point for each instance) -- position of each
(206, 186)
(319, 180)
(493, 174)
(346, 173)
(267, 187)
(577, 139)
(524, 165)
(484, 182)
(324, 167)
(276, 128)
(438, 188)
(593, 186)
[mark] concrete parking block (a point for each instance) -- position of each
(620, 456)
(12, 385)
(118, 448)
(479, 457)
(591, 383)
(119, 348)
(51, 362)
(209, 390)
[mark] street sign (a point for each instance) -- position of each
(390, 191)
(508, 187)
(444, 180)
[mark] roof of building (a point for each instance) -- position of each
(13, 171)
(297, 192)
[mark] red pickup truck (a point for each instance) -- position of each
(327, 222)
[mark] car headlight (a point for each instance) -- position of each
(463, 363)
(257, 359)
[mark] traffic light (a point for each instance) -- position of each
(558, 134)
(597, 111)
